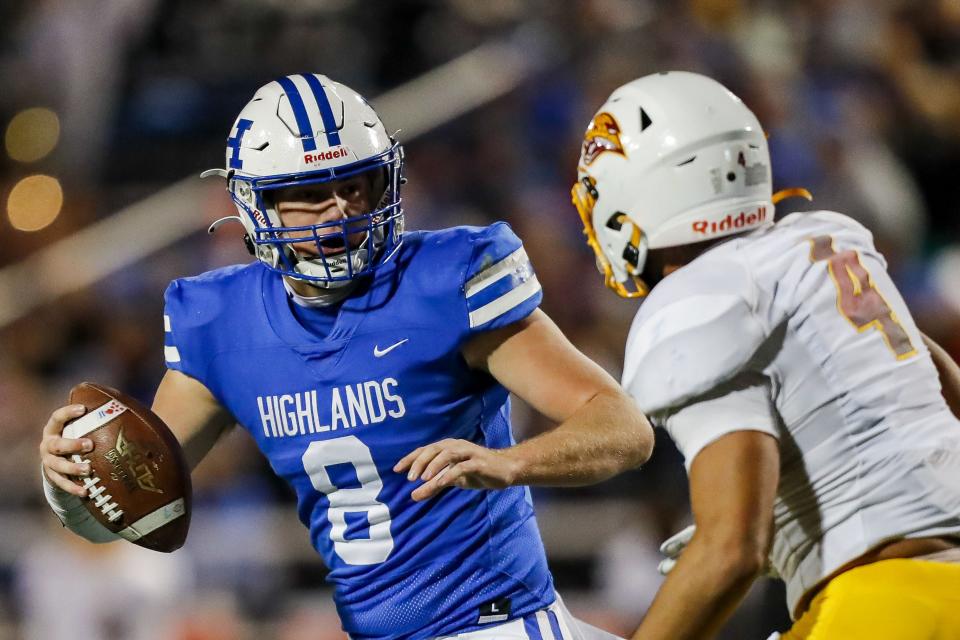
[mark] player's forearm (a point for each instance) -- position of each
(700, 593)
(949, 373)
(606, 436)
(192, 413)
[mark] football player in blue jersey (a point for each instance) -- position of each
(372, 366)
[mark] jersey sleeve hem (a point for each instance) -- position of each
(742, 404)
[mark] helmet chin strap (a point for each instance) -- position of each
(355, 256)
(323, 298)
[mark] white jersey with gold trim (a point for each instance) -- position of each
(796, 330)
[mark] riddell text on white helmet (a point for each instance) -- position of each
(742, 221)
(329, 154)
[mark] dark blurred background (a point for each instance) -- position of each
(111, 108)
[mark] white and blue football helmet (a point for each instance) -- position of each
(307, 129)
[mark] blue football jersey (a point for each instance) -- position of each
(334, 413)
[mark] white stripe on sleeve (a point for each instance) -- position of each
(498, 270)
(172, 354)
(504, 303)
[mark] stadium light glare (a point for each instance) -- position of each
(34, 202)
(32, 134)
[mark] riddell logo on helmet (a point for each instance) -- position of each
(731, 222)
(331, 154)
(259, 217)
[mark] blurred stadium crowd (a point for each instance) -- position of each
(860, 98)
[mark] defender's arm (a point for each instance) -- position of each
(949, 374)
(733, 482)
(601, 431)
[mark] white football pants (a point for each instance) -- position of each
(552, 623)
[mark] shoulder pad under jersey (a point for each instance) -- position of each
(696, 330)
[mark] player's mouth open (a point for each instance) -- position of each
(333, 245)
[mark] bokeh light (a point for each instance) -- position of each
(946, 276)
(34, 202)
(32, 134)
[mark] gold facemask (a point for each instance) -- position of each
(583, 193)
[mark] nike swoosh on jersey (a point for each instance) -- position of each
(379, 353)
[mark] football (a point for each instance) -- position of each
(139, 483)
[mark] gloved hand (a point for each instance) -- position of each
(673, 546)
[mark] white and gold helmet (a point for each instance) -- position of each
(669, 159)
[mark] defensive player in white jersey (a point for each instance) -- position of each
(783, 362)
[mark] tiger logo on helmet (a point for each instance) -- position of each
(602, 136)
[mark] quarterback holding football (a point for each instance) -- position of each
(814, 418)
(372, 366)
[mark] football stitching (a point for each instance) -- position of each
(97, 490)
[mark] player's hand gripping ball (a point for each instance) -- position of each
(139, 482)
